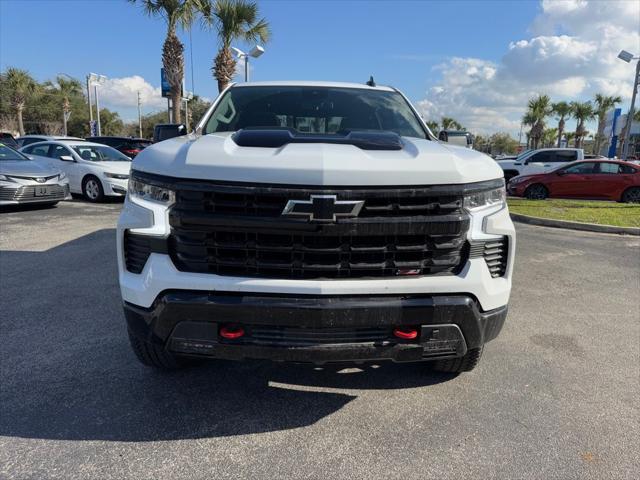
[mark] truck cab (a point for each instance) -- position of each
(539, 161)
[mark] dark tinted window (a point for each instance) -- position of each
(566, 156)
(627, 169)
(28, 141)
(581, 168)
(42, 150)
(9, 154)
(606, 167)
(542, 157)
(318, 110)
(58, 151)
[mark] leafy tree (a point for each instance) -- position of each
(65, 88)
(175, 13)
(570, 136)
(582, 112)
(433, 126)
(562, 110)
(529, 120)
(21, 87)
(233, 20)
(503, 143)
(539, 108)
(450, 124)
(549, 137)
(603, 104)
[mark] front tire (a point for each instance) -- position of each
(92, 189)
(461, 364)
(153, 355)
(537, 191)
(631, 195)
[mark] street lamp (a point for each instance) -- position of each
(255, 53)
(628, 57)
(95, 80)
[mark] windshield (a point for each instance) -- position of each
(312, 110)
(100, 153)
(522, 154)
(9, 154)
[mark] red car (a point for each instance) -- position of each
(591, 179)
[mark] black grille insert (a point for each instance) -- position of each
(137, 249)
(495, 253)
(290, 336)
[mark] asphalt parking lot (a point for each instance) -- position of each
(556, 395)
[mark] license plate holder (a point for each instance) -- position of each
(41, 191)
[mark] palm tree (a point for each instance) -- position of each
(174, 12)
(570, 136)
(539, 108)
(233, 20)
(66, 88)
(21, 87)
(603, 104)
(529, 120)
(549, 137)
(450, 124)
(433, 126)
(582, 112)
(562, 110)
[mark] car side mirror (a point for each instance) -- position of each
(168, 130)
(31, 157)
(66, 158)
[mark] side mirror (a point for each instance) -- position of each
(66, 158)
(31, 157)
(168, 130)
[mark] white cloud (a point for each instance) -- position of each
(571, 55)
(121, 93)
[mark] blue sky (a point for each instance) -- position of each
(416, 46)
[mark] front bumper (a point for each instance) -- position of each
(24, 193)
(315, 329)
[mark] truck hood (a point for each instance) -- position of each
(218, 157)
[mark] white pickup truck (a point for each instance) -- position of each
(538, 161)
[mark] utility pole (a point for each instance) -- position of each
(89, 100)
(97, 108)
(139, 116)
(627, 127)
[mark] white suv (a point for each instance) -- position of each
(360, 238)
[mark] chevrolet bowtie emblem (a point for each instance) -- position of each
(322, 208)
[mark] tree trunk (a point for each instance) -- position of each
(19, 109)
(224, 68)
(173, 63)
(560, 131)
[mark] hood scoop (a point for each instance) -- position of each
(275, 137)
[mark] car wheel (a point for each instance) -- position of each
(92, 189)
(537, 191)
(631, 195)
(155, 356)
(461, 364)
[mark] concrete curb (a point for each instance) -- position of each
(588, 227)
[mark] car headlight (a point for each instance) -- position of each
(486, 198)
(5, 178)
(62, 176)
(516, 180)
(146, 191)
(119, 176)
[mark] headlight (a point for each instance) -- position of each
(119, 176)
(488, 198)
(62, 176)
(154, 193)
(515, 180)
(5, 178)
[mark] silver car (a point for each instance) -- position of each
(24, 181)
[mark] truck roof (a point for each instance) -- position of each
(294, 83)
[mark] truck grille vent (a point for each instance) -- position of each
(274, 335)
(495, 253)
(137, 249)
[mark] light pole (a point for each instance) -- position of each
(255, 53)
(628, 57)
(96, 80)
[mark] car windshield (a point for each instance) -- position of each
(314, 110)
(100, 153)
(9, 154)
(522, 154)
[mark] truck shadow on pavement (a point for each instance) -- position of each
(67, 372)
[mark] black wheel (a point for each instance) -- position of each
(631, 195)
(155, 356)
(460, 364)
(92, 189)
(537, 191)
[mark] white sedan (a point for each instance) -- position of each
(94, 170)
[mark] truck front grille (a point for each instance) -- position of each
(239, 231)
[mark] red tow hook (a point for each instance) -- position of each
(405, 333)
(231, 332)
